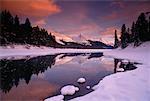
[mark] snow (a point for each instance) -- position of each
(88, 87)
(120, 70)
(81, 80)
(55, 98)
(69, 90)
(124, 86)
(21, 50)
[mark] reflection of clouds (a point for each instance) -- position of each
(36, 90)
(85, 65)
(94, 65)
(79, 59)
(107, 60)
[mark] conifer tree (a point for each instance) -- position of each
(123, 36)
(142, 27)
(116, 43)
(132, 32)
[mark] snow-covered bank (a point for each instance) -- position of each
(139, 54)
(23, 50)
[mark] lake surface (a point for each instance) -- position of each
(37, 78)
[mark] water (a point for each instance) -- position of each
(37, 78)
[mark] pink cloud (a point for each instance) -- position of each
(31, 8)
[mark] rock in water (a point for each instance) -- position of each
(69, 90)
(81, 80)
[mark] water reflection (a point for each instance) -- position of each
(92, 66)
(12, 71)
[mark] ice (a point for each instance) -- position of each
(69, 90)
(81, 80)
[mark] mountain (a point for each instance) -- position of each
(91, 45)
(99, 45)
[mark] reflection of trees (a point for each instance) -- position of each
(123, 65)
(115, 65)
(14, 70)
(72, 54)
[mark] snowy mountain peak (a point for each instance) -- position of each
(80, 39)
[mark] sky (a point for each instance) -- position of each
(67, 19)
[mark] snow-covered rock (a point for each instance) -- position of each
(88, 87)
(55, 98)
(125, 61)
(120, 70)
(69, 90)
(81, 80)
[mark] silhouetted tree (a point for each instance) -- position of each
(132, 32)
(128, 35)
(142, 27)
(27, 30)
(16, 28)
(123, 36)
(116, 43)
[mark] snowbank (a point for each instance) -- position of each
(140, 54)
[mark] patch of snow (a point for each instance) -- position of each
(120, 70)
(55, 98)
(88, 87)
(69, 90)
(125, 61)
(81, 80)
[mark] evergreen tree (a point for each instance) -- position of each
(27, 30)
(16, 27)
(142, 27)
(132, 32)
(6, 27)
(116, 43)
(149, 28)
(16, 21)
(128, 36)
(123, 36)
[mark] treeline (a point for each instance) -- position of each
(138, 33)
(12, 31)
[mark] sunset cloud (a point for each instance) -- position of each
(31, 8)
